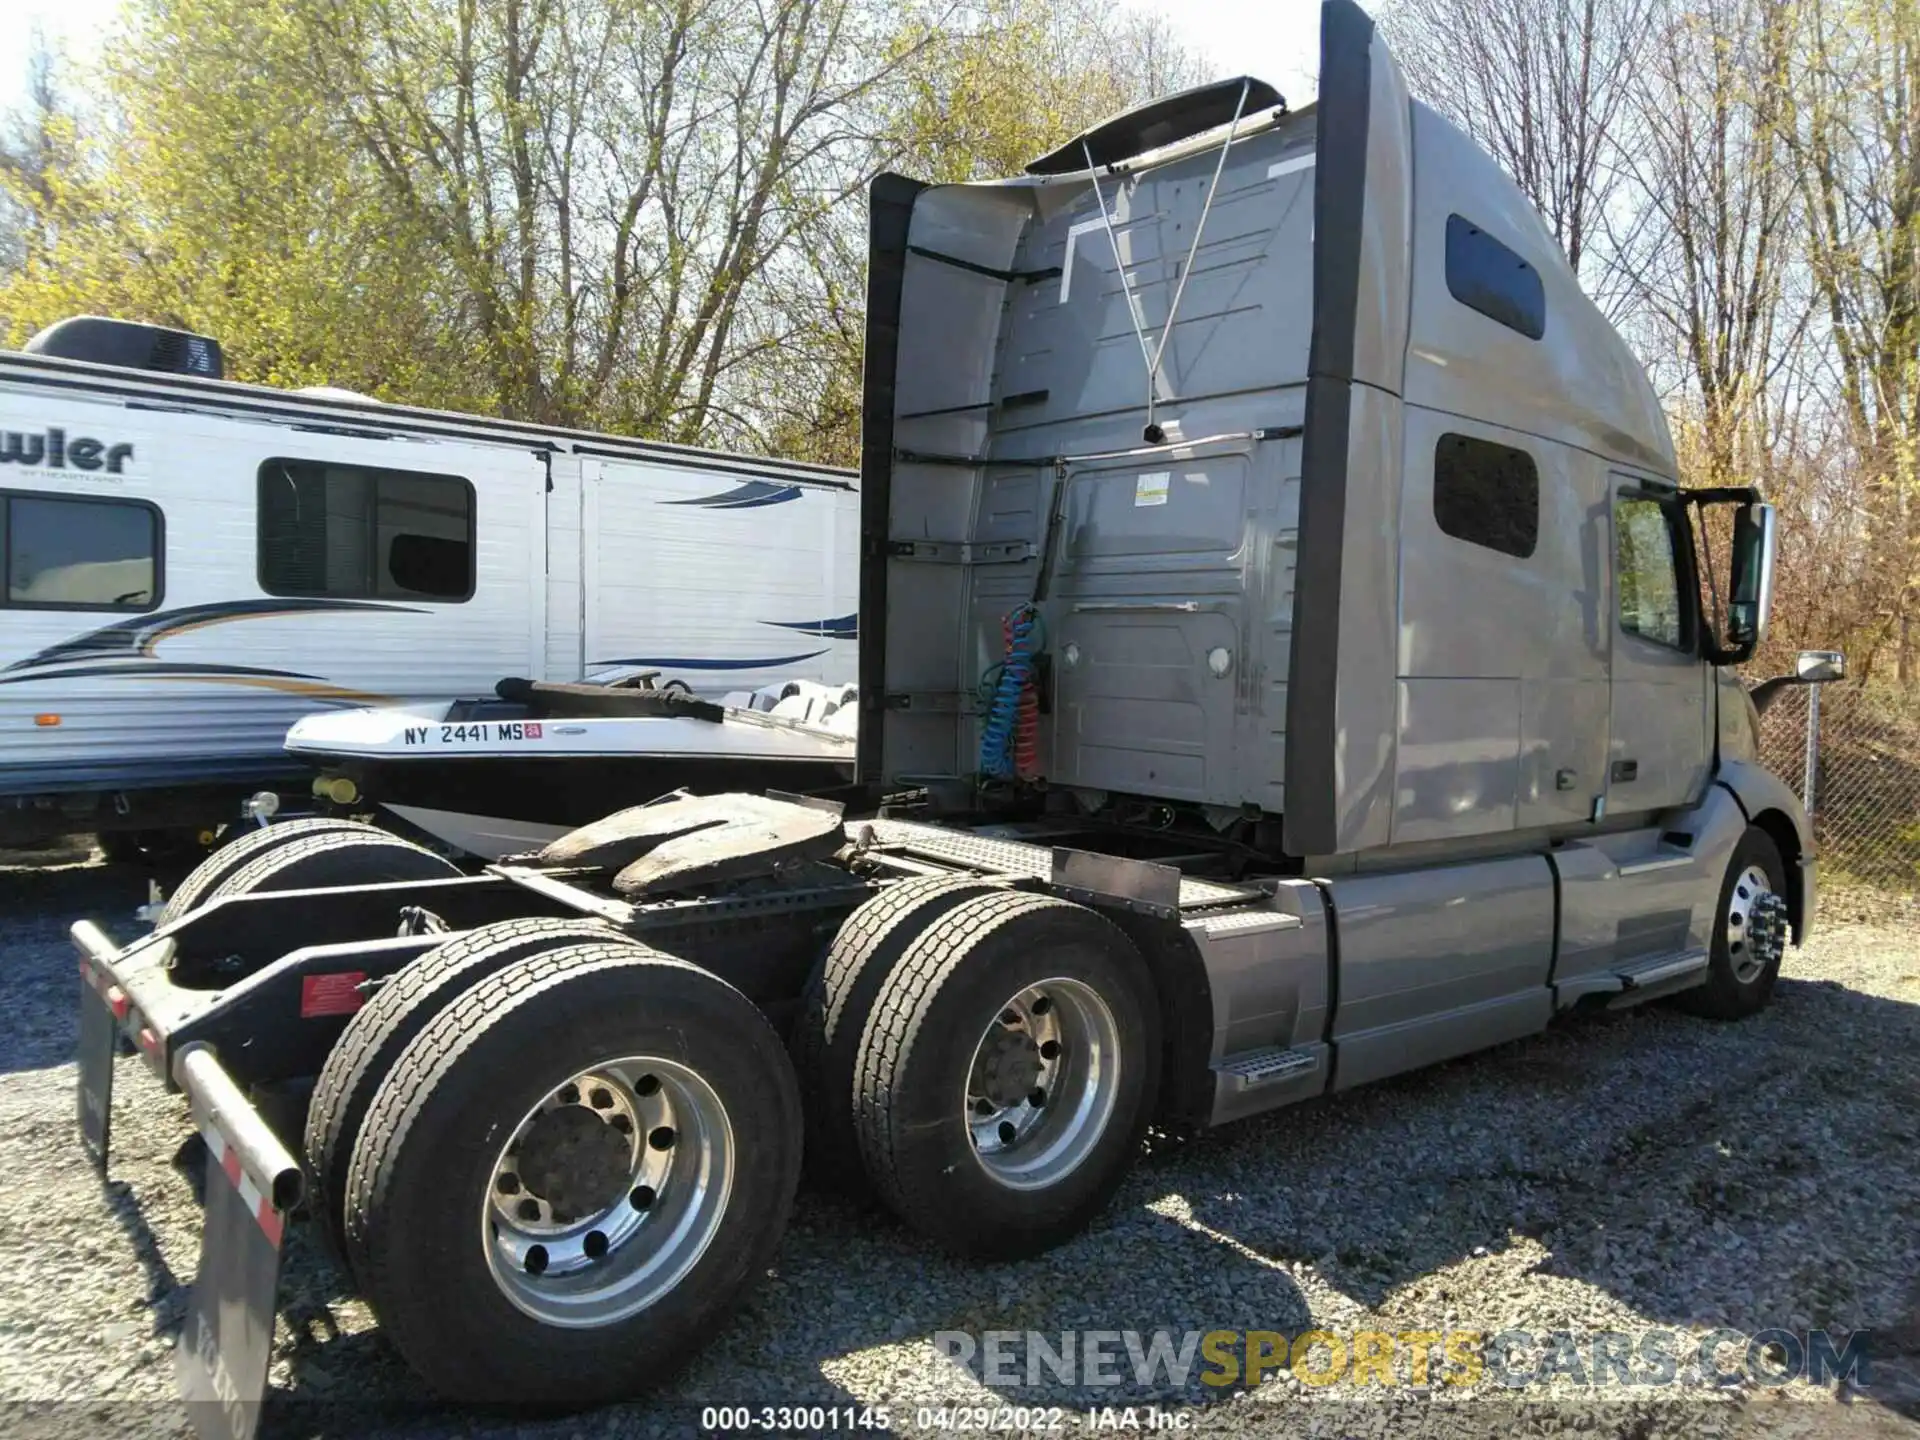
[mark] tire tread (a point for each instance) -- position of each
(382, 1028)
(210, 873)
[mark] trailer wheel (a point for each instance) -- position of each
(837, 1001)
(334, 857)
(400, 1010)
(1749, 934)
(211, 872)
(571, 1175)
(1007, 1073)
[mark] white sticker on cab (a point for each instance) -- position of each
(1151, 488)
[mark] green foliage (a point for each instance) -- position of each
(218, 200)
(643, 217)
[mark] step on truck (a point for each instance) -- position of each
(1287, 658)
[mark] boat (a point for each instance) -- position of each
(505, 774)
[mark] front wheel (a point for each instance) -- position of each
(1750, 932)
(1006, 1074)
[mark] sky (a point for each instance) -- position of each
(1274, 40)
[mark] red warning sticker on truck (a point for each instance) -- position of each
(335, 993)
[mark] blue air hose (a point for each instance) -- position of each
(1003, 712)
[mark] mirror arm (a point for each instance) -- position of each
(1765, 692)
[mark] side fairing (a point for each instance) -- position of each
(1341, 693)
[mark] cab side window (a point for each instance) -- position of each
(1647, 573)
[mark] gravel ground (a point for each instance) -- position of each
(1644, 1171)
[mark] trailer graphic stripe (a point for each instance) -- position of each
(840, 627)
(668, 662)
(288, 682)
(749, 496)
(138, 637)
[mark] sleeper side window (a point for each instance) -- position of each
(1487, 494)
(355, 532)
(66, 552)
(1647, 573)
(1485, 275)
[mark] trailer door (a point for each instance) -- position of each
(1657, 751)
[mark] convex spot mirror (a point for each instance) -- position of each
(1811, 667)
(1817, 667)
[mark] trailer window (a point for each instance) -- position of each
(1647, 573)
(354, 532)
(1485, 275)
(79, 553)
(1487, 494)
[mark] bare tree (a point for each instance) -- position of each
(1713, 186)
(1857, 148)
(1541, 85)
(612, 183)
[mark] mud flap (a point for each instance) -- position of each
(99, 1042)
(252, 1184)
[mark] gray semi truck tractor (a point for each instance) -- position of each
(1288, 657)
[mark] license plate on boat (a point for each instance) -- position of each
(474, 732)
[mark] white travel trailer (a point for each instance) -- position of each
(191, 565)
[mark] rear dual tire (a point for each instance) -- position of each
(836, 1005)
(1006, 1074)
(574, 1040)
(377, 1035)
(304, 855)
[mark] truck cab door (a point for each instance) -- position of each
(1658, 746)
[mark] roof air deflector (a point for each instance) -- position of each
(1159, 123)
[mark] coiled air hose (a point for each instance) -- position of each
(1009, 741)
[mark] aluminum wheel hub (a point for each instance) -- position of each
(1043, 1083)
(608, 1192)
(1756, 925)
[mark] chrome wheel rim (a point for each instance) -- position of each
(608, 1192)
(1756, 925)
(1043, 1083)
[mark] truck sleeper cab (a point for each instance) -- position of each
(1287, 658)
(1353, 533)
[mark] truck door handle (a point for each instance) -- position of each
(1626, 770)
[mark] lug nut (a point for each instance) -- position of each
(622, 1124)
(602, 1099)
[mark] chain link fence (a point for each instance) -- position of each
(1854, 755)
